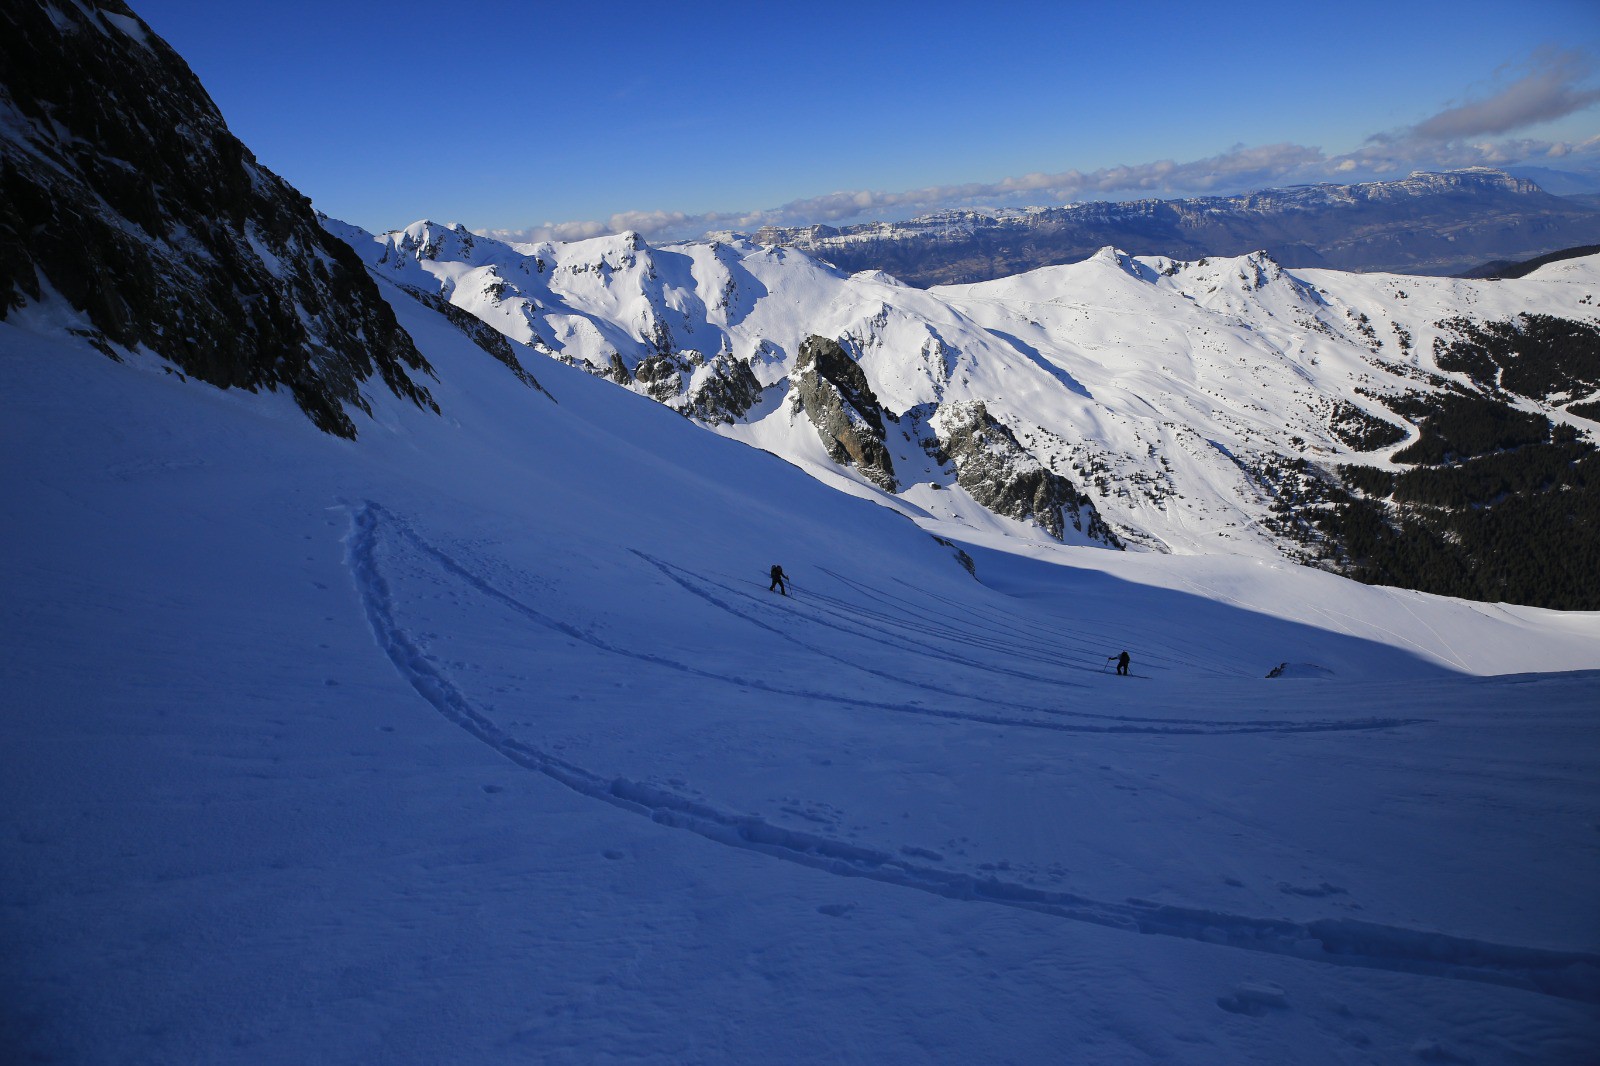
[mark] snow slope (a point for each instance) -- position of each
(482, 739)
(1170, 393)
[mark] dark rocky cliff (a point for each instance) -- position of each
(123, 194)
(834, 394)
(1000, 474)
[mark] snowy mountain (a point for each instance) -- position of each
(1353, 421)
(1429, 223)
(465, 728)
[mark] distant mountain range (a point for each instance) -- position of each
(1437, 224)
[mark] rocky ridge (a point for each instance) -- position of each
(645, 317)
(124, 196)
(1000, 474)
(1433, 433)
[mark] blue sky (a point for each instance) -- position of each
(547, 120)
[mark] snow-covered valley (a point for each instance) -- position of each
(482, 739)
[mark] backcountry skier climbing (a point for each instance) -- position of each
(1122, 663)
(777, 580)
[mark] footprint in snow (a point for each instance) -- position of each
(1434, 1051)
(1254, 998)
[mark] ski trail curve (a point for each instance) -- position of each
(1082, 640)
(932, 628)
(371, 513)
(1191, 726)
(1339, 942)
(1116, 724)
(863, 622)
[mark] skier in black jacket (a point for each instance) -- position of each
(777, 580)
(1122, 663)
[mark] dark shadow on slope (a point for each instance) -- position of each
(1086, 614)
(1175, 635)
(1038, 359)
(1336, 942)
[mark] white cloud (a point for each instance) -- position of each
(1550, 86)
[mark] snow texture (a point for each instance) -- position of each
(481, 739)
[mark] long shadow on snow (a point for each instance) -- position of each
(1180, 631)
(371, 514)
(707, 590)
(1342, 942)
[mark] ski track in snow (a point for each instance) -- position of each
(488, 589)
(1147, 725)
(1091, 661)
(1092, 637)
(917, 624)
(1340, 941)
(1400, 598)
(1121, 724)
(855, 623)
(1001, 641)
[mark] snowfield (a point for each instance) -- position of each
(481, 739)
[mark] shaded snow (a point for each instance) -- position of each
(482, 739)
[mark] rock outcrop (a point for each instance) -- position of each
(834, 394)
(123, 194)
(994, 469)
(718, 390)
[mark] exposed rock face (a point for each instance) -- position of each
(661, 376)
(616, 370)
(835, 396)
(1000, 474)
(122, 191)
(716, 390)
(722, 389)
